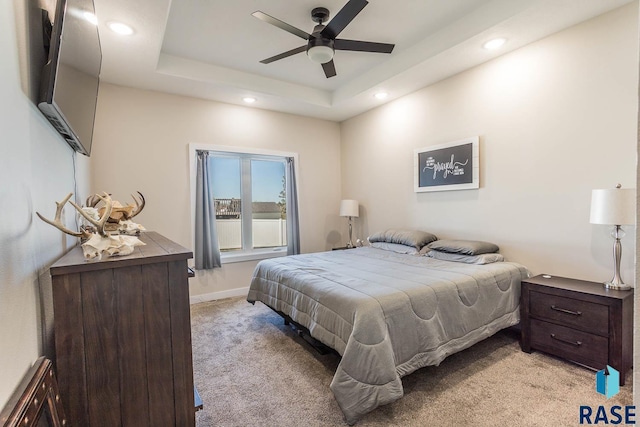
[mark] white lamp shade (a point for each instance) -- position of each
(616, 206)
(320, 54)
(349, 208)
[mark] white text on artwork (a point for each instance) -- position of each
(452, 167)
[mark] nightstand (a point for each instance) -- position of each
(579, 321)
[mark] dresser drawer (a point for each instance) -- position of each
(583, 315)
(582, 347)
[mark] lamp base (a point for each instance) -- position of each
(616, 282)
(617, 287)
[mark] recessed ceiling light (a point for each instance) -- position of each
(120, 28)
(90, 17)
(249, 99)
(381, 95)
(494, 44)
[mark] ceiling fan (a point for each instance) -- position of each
(322, 42)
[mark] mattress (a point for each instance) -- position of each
(388, 314)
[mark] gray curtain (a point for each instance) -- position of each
(207, 250)
(293, 226)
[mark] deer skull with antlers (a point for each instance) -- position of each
(96, 240)
(120, 216)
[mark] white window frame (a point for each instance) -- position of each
(244, 254)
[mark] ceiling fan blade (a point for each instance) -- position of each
(362, 46)
(329, 69)
(284, 54)
(282, 25)
(342, 19)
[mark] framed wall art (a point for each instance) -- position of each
(451, 166)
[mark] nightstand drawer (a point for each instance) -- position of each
(588, 349)
(586, 316)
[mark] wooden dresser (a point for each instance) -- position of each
(579, 321)
(123, 336)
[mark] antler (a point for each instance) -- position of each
(84, 234)
(57, 222)
(139, 206)
(99, 224)
(93, 200)
(121, 212)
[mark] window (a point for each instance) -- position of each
(249, 192)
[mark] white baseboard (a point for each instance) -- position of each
(238, 292)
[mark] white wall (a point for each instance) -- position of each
(141, 143)
(556, 119)
(36, 169)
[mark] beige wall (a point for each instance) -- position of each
(556, 119)
(36, 169)
(141, 143)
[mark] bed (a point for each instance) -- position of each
(388, 313)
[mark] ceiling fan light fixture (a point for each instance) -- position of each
(320, 54)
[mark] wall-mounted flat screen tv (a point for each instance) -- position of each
(70, 79)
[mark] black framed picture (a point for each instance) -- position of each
(451, 166)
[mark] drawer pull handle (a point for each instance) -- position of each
(575, 343)
(564, 310)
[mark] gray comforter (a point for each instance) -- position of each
(388, 314)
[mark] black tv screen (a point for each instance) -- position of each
(69, 88)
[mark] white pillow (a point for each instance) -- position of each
(468, 259)
(395, 247)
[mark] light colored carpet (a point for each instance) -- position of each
(252, 370)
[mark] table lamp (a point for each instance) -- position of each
(617, 207)
(349, 208)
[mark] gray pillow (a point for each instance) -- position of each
(468, 259)
(465, 247)
(415, 238)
